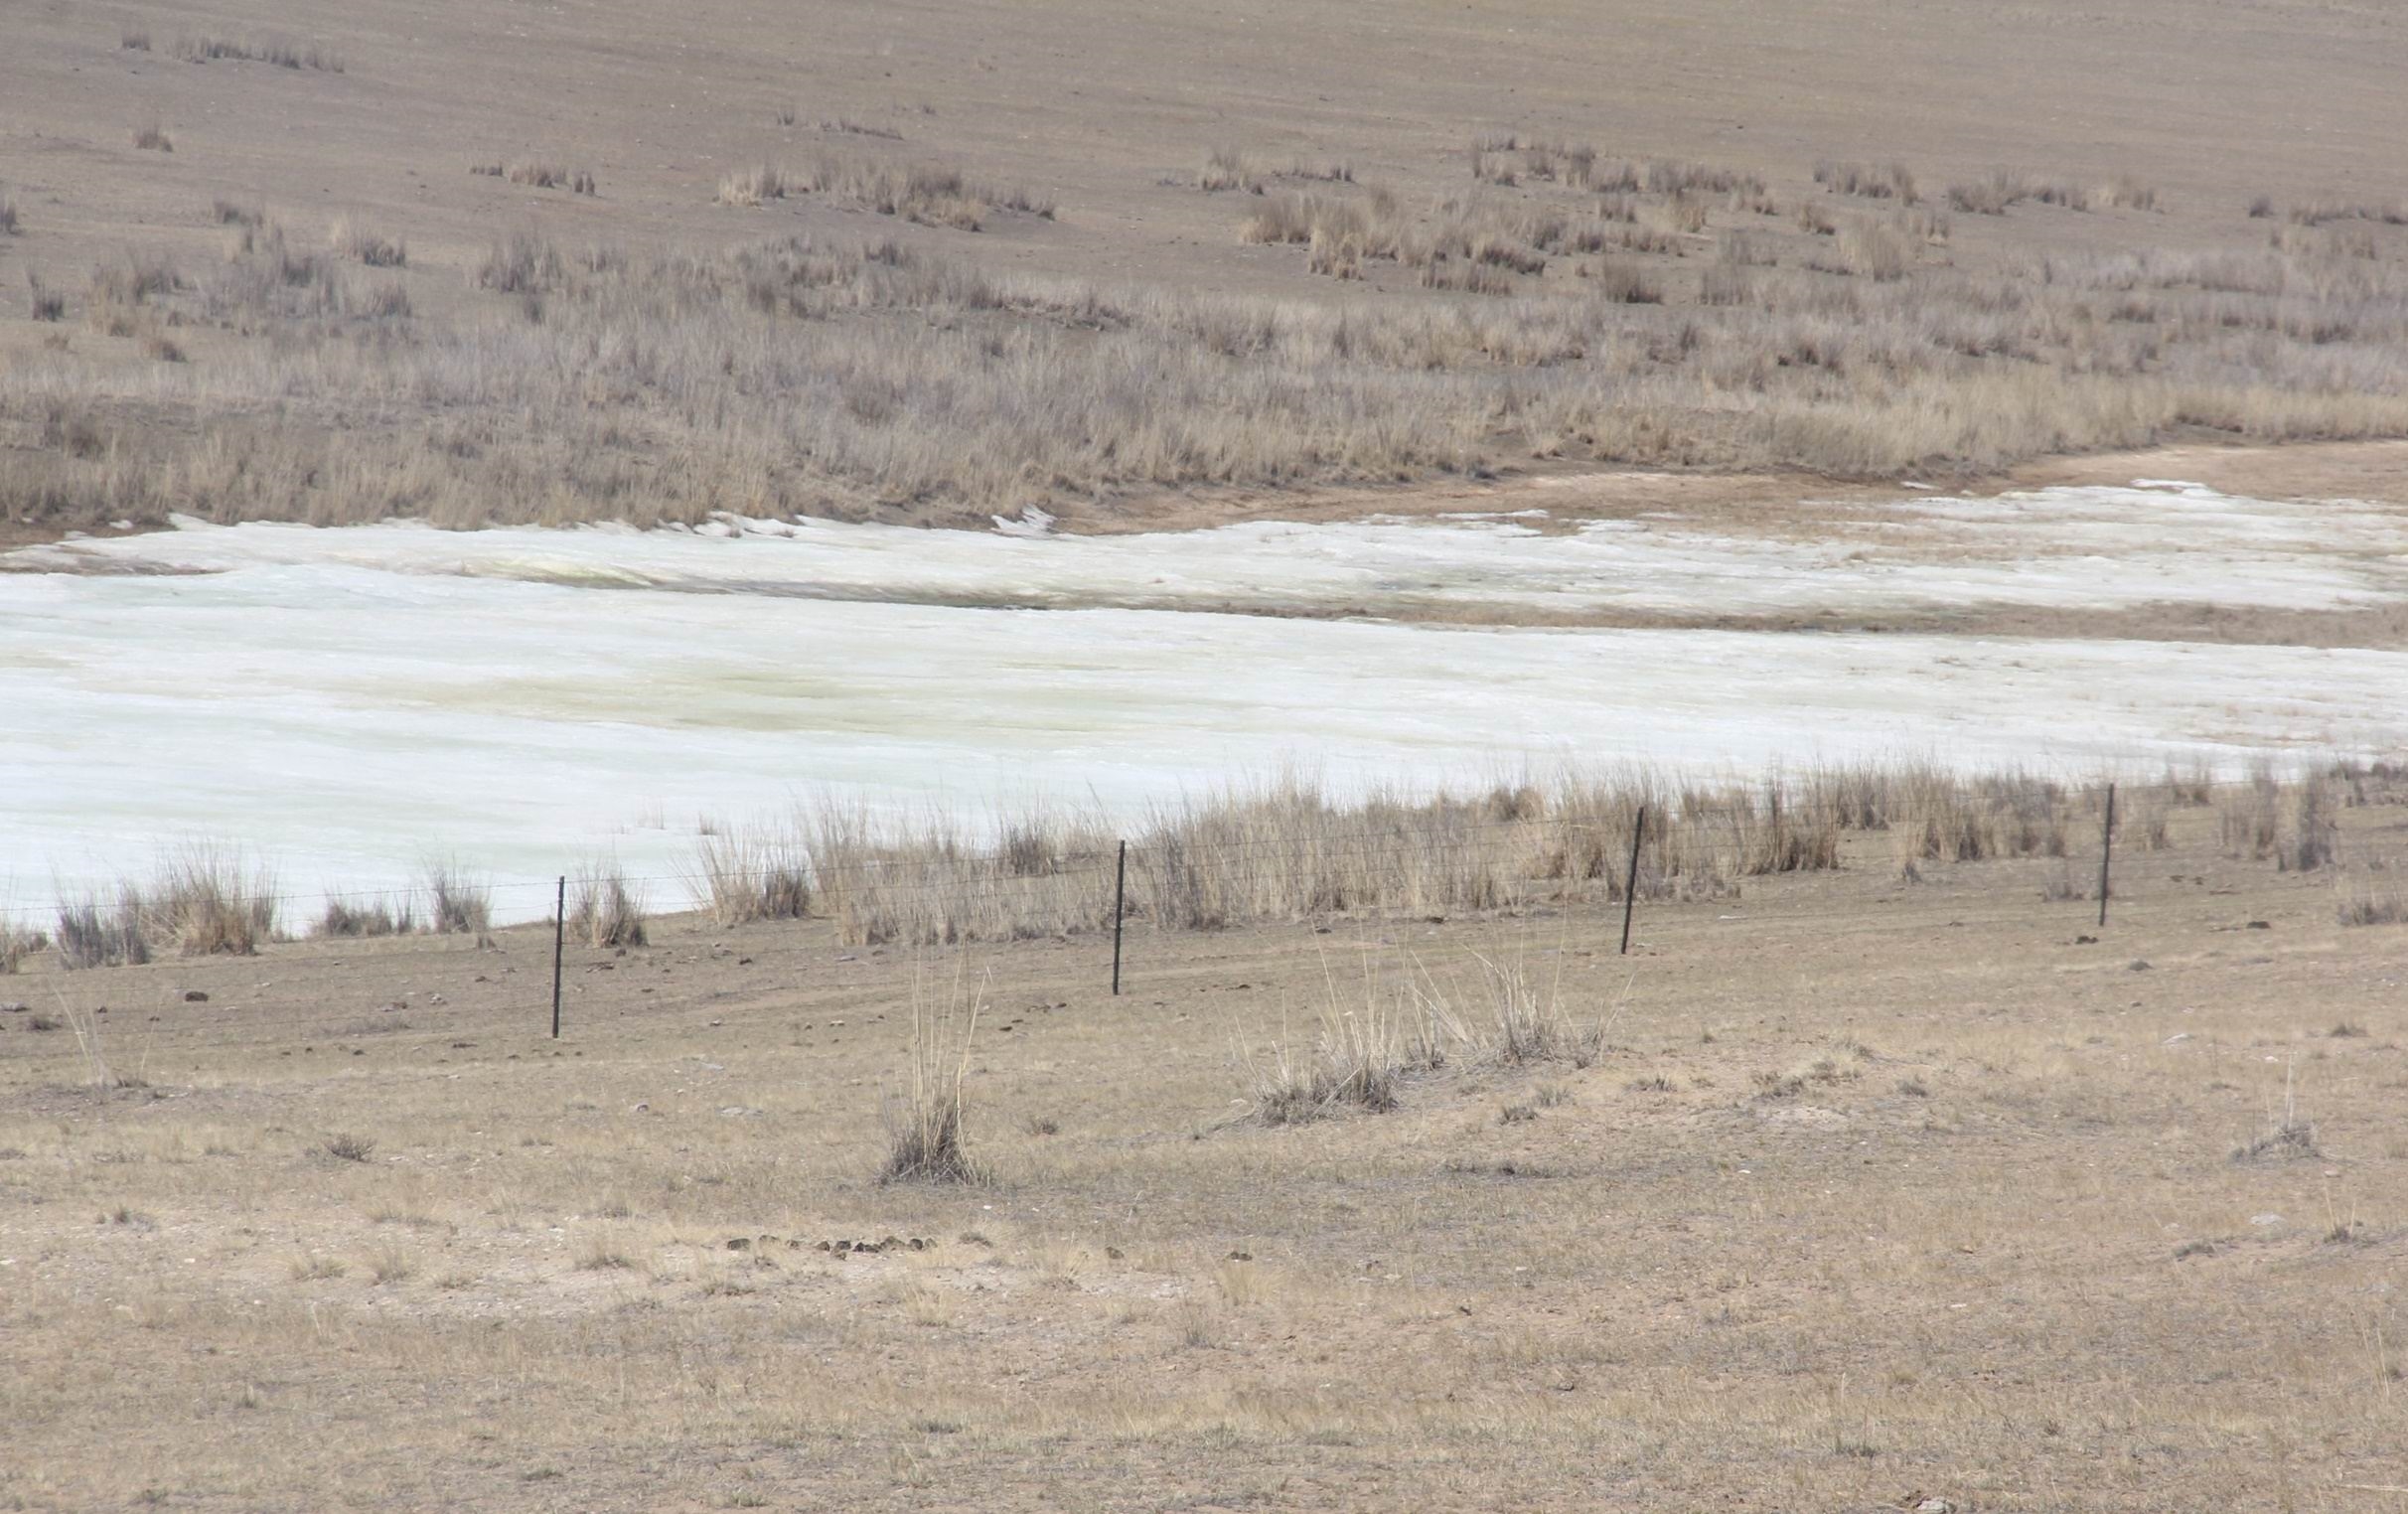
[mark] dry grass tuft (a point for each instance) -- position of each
(754, 874)
(283, 55)
(378, 917)
(925, 1137)
(202, 901)
(345, 1146)
(456, 905)
(93, 935)
(2372, 895)
(1889, 180)
(752, 186)
(153, 137)
(351, 239)
(1528, 1023)
(604, 912)
(16, 942)
(540, 174)
(1226, 168)
(208, 902)
(47, 304)
(1357, 1061)
(9, 223)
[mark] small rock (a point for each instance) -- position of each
(2139, 965)
(1241, 1256)
(2265, 1221)
(194, 997)
(741, 1111)
(2176, 1038)
(1936, 1506)
(738, 1242)
(2085, 941)
(2260, 925)
(639, 1108)
(14, 1008)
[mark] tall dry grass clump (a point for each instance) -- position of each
(753, 874)
(377, 916)
(202, 901)
(283, 55)
(2249, 817)
(1888, 181)
(207, 901)
(18, 942)
(930, 880)
(92, 932)
(1526, 1020)
(604, 911)
(456, 904)
(349, 239)
(2310, 831)
(1357, 1060)
(926, 1138)
(2371, 893)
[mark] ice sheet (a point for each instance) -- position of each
(2088, 548)
(350, 702)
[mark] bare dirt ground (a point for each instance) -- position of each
(1879, 1192)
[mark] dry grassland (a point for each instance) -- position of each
(988, 278)
(1846, 1192)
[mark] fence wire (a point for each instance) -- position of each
(442, 994)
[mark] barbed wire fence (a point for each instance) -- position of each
(2095, 851)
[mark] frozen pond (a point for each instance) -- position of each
(348, 704)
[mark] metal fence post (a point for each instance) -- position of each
(1119, 912)
(1631, 881)
(2106, 853)
(560, 937)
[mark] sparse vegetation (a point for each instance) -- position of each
(929, 194)
(283, 55)
(377, 916)
(2372, 896)
(925, 1137)
(604, 911)
(202, 901)
(46, 304)
(1889, 180)
(16, 942)
(754, 873)
(456, 904)
(153, 137)
(1908, 364)
(349, 1148)
(540, 174)
(353, 241)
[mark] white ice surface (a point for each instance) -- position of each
(2088, 548)
(349, 702)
